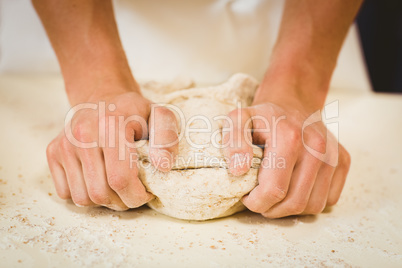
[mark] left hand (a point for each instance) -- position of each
(291, 180)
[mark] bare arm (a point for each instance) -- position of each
(87, 44)
(303, 60)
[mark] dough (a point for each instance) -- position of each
(199, 186)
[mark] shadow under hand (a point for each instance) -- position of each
(249, 217)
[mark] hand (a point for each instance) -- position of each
(295, 86)
(291, 180)
(95, 69)
(98, 176)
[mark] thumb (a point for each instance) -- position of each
(237, 141)
(163, 137)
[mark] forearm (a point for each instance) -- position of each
(306, 51)
(85, 38)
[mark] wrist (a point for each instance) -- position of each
(292, 78)
(94, 91)
(94, 78)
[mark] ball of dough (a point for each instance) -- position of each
(199, 186)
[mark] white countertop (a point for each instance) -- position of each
(37, 229)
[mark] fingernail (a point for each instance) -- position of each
(239, 164)
(116, 207)
(151, 197)
(162, 160)
(135, 203)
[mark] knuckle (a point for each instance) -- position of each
(99, 197)
(82, 132)
(346, 158)
(257, 207)
(243, 113)
(81, 200)
(270, 215)
(65, 144)
(51, 149)
(292, 133)
(138, 202)
(276, 193)
(63, 193)
(319, 143)
(256, 204)
(316, 208)
(117, 183)
(235, 112)
(332, 201)
(164, 112)
(314, 139)
(297, 207)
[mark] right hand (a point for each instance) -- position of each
(96, 176)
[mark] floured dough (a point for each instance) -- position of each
(199, 186)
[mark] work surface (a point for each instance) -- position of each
(37, 229)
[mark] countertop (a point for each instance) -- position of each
(38, 229)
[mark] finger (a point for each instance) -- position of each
(59, 179)
(301, 185)
(319, 194)
(122, 176)
(75, 178)
(99, 190)
(237, 141)
(57, 171)
(163, 138)
(339, 178)
(273, 179)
